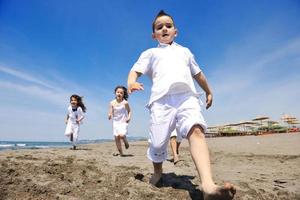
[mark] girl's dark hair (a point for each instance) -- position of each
(161, 13)
(79, 101)
(124, 89)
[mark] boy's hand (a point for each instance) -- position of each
(109, 116)
(209, 100)
(127, 120)
(135, 86)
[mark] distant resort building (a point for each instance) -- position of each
(257, 126)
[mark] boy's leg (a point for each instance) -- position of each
(157, 173)
(162, 122)
(200, 155)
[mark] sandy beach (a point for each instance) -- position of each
(261, 167)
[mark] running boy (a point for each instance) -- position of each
(174, 103)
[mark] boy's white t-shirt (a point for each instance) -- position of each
(171, 69)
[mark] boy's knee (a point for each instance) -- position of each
(196, 130)
(173, 138)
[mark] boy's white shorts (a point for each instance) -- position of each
(120, 128)
(180, 111)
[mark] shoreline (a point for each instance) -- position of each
(261, 167)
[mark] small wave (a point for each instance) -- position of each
(40, 147)
(6, 145)
(20, 145)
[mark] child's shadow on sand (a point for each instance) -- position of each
(81, 149)
(178, 182)
(127, 155)
(123, 155)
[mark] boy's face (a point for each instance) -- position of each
(164, 30)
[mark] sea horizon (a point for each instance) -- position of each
(20, 144)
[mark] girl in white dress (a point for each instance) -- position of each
(74, 118)
(119, 112)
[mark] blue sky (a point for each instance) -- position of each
(249, 51)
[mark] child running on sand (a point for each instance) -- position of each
(74, 118)
(174, 103)
(120, 113)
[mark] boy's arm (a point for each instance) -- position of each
(131, 82)
(128, 111)
(202, 82)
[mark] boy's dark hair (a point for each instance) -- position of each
(79, 101)
(124, 89)
(161, 13)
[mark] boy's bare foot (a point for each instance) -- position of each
(116, 154)
(74, 147)
(155, 179)
(225, 192)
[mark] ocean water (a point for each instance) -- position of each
(15, 145)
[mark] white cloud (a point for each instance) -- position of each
(36, 91)
(266, 85)
(24, 76)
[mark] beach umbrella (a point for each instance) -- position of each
(245, 124)
(260, 118)
(288, 118)
(285, 116)
(295, 122)
(248, 123)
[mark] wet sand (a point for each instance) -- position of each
(261, 167)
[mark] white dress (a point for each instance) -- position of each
(72, 125)
(120, 115)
